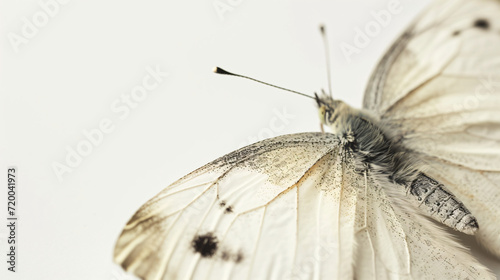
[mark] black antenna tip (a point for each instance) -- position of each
(322, 28)
(318, 100)
(219, 70)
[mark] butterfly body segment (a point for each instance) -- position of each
(441, 205)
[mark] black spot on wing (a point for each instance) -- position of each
(205, 244)
(225, 256)
(482, 24)
(238, 257)
(228, 256)
(229, 209)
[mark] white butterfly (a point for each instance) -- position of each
(354, 203)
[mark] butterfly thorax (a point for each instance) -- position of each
(361, 133)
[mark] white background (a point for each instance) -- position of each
(64, 80)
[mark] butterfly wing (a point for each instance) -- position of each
(243, 216)
(439, 87)
(291, 207)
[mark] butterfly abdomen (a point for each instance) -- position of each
(443, 206)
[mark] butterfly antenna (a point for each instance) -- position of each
(327, 56)
(219, 70)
